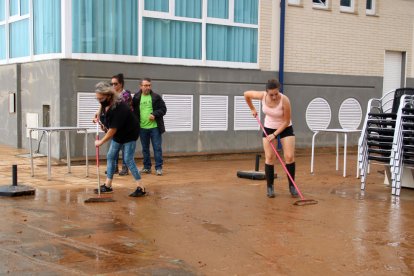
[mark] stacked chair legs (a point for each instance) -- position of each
(403, 146)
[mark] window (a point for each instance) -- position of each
(320, 3)
(105, 27)
(294, 2)
(19, 39)
(19, 7)
(2, 30)
(171, 39)
(246, 11)
(188, 8)
(46, 27)
(231, 33)
(227, 43)
(219, 33)
(370, 7)
(2, 42)
(157, 5)
(2, 10)
(347, 5)
(218, 8)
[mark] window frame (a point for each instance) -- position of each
(349, 9)
(170, 15)
(371, 11)
(323, 6)
(295, 2)
(13, 19)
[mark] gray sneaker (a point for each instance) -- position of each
(147, 171)
(159, 172)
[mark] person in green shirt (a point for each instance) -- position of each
(150, 108)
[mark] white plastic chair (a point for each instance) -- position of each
(318, 118)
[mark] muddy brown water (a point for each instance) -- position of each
(200, 219)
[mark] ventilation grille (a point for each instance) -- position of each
(243, 119)
(213, 113)
(87, 107)
(179, 115)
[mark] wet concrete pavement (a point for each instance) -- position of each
(200, 219)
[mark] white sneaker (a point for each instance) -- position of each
(159, 172)
(147, 171)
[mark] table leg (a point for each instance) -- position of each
(313, 150)
(48, 135)
(345, 146)
(337, 152)
(67, 149)
(31, 152)
(86, 152)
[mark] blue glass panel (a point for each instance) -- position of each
(171, 39)
(46, 26)
(2, 42)
(218, 8)
(246, 11)
(14, 7)
(2, 10)
(156, 5)
(188, 8)
(235, 44)
(24, 7)
(19, 38)
(105, 27)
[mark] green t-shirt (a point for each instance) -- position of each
(145, 110)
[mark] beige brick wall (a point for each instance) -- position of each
(334, 42)
(268, 56)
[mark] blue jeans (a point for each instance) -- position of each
(152, 135)
(123, 157)
(129, 152)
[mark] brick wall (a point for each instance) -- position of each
(335, 42)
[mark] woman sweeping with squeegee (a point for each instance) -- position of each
(277, 109)
(123, 130)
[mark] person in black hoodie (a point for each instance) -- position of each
(150, 109)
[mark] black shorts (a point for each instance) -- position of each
(285, 133)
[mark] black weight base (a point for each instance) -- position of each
(16, 190)
(254, 175)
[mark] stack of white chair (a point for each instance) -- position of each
(402, 155)
(381, 137)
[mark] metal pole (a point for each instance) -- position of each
(14, 175)
(256, 167)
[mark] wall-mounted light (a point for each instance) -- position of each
(12, 102)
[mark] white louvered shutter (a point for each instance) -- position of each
(214, 113)
(179, 115)
(243, 119)
(87, 107)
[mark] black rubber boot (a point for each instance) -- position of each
(270, 177)
(291, 169)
